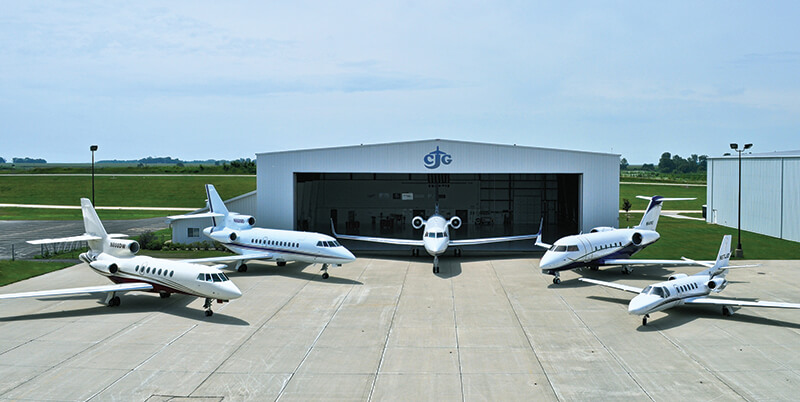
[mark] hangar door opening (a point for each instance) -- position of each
(489, 205)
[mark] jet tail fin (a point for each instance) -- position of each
(215, 205)
(653, 211)
(723, 258)
(92, 225)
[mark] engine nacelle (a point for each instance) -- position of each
(676, 276)
(238, 221)
(455, 222)
(417, 222)
(717, 284)
(122, 248)
(223, 236)
(602, 229)
(108, 268)
(636, 238)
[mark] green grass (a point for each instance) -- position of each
(700, 241)
(127, 191)
(630, 191)
(14, 271)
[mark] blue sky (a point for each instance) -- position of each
(225, 80)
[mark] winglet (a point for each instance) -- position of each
(333, 229)
(539, 241)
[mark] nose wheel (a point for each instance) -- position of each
(644, 319)
(435, 265)
(556, 278)
(325, 271)
(207, 306)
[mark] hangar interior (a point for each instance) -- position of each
(489, 205)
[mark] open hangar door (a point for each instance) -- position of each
(489, 205)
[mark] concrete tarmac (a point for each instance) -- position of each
(390, 329)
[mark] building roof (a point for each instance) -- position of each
(774, 154)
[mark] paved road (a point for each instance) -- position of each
(17, 232)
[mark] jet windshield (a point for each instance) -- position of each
(436, 235)
(218, 277)
(562, 248)
(328, 244)
(655, 290)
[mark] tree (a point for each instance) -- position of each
(665, 164)
(623, 164)
(649, 167)
(626, 206)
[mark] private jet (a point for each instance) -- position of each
(435, 238)
(606, 245)
(682, 289)
(116, 259)
(238, 233)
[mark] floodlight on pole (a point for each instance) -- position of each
(93, 148)
(739, 253)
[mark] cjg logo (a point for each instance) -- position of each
(437, 158)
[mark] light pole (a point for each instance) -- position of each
(735, 147)
(93, 148)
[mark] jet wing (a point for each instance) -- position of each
(617, 286)
(486, 240)
(73, 291)
(402, 242)
(740, 303)
(253, 256)
(628, 261)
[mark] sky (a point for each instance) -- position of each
(200, 80)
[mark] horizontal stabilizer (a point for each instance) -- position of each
(122, 287)
(628, 261)
(195, 216)
(83, 237)
(644, 197)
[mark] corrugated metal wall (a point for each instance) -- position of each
(770, 194)
(600, 185)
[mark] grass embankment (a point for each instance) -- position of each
(127, 191)
(700, 241)
(13, 271)
(630, 191)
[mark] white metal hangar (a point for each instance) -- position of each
(770, 193)
(496, 190)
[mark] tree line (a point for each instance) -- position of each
(669, 163)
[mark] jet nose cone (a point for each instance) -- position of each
(547, 262)
(640, 305)
(232, 292)
(348, 256)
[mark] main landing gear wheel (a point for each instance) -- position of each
(644, 319)
(242, 268)
(594, 268)
(281, 263)
(727, 311)
(627, 270)
(164, 295)
(114, 302)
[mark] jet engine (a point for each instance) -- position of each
(122, 248)
(238, 221)
(223, 236)
(108, 268)
(418, 222)
(636, 238)
(676, 276)
(601, 229)
(717, 284)
(455, 222)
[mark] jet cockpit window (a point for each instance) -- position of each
(336, 244)
(572, 248)
(439, 235)
(559, 248)
(656, 290)
(216, 278)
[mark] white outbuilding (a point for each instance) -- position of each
(770, 193)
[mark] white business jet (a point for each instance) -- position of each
(435, 238)
(682, 289)
(236, 232)
(116, 259)
(606, 245)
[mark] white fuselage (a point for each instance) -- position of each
(663, 295)
(592, 248)
(436, 236)
(167, 276)
(288, 245)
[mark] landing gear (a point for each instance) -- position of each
(457, 252)
(164, 295)
(112, 300)
(415, 252)
(435, 265)
(644, 319)
(281, 263)
(727, 311)
(325, 271)
(207, 306)
(626, 270)
(594, 267)
(241, 268)
(556, 278)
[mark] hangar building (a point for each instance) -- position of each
(497, 190)
(770, 193)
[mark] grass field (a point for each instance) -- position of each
(13, 271)
(630, 191)
(700, 241)
(128, 191)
